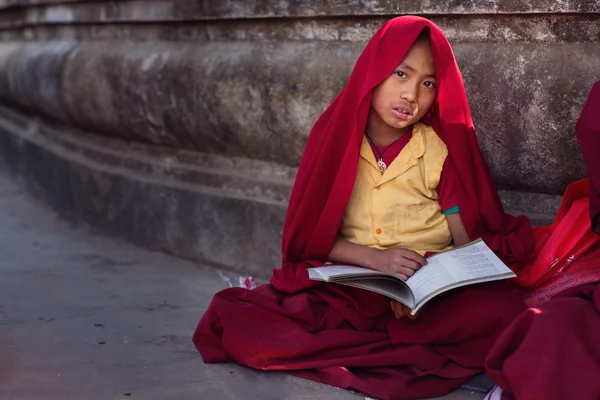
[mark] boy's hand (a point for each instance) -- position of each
(400, 310)
(401, 262)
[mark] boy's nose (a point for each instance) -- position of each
(409, 93)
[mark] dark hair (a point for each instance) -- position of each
(424, 35)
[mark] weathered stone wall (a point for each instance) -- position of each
(248, 78)
(245, 80)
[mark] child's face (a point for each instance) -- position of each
(406, 95)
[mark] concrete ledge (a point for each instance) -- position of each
(502, 28)
(220, 212)
(31, 75)
(27, 12)
(226, 212)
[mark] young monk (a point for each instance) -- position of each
(410, 215)
(391, 171)
(553, 352)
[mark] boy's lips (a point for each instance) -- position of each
(402, 112)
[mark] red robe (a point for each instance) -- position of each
(348, 337)
(588, 134)
(553, 352)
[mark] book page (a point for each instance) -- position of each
(393, 289)
(469, 264)
(334, 273)
(429, 278)
(472, 262)
(313, 274)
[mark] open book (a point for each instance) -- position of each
(472, 263)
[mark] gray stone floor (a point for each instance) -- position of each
(87, 317)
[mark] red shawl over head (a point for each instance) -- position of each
(328, 168)
(588, 134)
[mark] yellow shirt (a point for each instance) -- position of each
(400, 208)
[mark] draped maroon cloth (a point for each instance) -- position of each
(561, 249)
(348, 337)
(588, 135)
(553, 352)
(351, 340)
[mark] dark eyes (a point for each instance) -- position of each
(427, 84)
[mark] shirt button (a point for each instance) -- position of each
(377, 187)
(378, 231)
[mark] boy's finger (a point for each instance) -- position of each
(404, 271)
(401, 276)
(410, 264)
(414, 316)
(397, 309)
(416, 257)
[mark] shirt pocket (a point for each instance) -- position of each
(413, 218)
